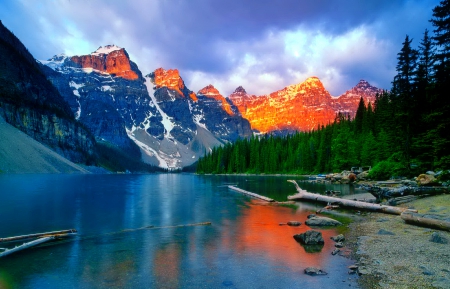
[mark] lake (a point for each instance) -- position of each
(244, 247)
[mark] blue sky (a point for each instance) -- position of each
(262, 45)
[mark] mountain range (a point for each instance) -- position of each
(156, 119)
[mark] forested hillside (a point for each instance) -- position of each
(406, 130)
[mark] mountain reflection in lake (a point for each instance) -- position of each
(244, 247)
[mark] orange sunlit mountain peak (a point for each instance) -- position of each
(210, 91)
(110, 59)
(172, 80)
(301, 106)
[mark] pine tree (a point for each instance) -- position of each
(368, 150)
(441, 22)
(359, 117)
(406, 66)
(439, 116)
(344, 150)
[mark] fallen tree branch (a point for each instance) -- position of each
(37, 235)
(389, 192)
(302, 194)
(26, 245)
(420, 220)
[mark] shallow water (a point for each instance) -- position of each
(244, 247)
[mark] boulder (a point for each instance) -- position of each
(322, 221)
(384, 232)
(310, 237)
(294, 223)
(338, 238)
(424, 179)
(438, 238)
(363, 175)
(335, 251)
(313, 271)
(339, 245)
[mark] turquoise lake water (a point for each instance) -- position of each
(244, 247)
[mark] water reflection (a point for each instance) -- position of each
(244, 247)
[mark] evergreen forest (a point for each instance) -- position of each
(405, 132)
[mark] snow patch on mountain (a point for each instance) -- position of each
(75, 85)
(107, 88)
(78, 112)
(166, 120)
(106, 49)
(198, 118)
(56, 62)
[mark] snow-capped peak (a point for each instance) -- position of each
(106, 49)
(55, 62)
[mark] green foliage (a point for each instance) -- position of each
(384, 170)
(344, 150)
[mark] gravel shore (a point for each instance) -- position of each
(392, 254)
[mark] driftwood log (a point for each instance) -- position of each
(302, 194)
(234, 188)
(389, 192)
(420, 220)
(26, 245)
(63, 233)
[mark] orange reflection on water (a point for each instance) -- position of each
(259, 231)
(167, 265)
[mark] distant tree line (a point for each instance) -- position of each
(406, 130)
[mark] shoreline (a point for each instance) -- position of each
(392, 254)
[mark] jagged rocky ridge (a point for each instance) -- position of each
(301, 107)
(171, 125)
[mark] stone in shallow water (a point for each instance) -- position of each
(310, 237)
(338, 238)
(294, 223)
(335, 251)
(339, 245)
(313, 271)
(322, 221)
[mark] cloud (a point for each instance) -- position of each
(287, 57)
(263, 45)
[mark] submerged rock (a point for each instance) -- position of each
(339, 245)
(310, 237)
(294, 223)
(338, 238)
(322, 221)
(335, 251)
(313, 271)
